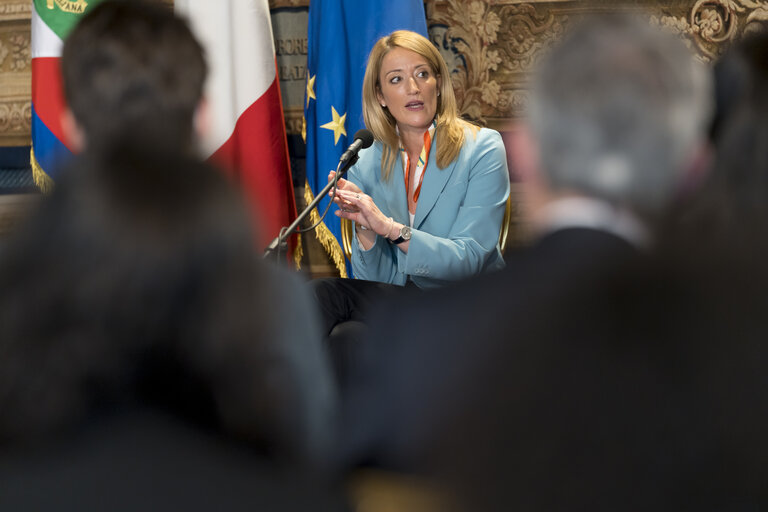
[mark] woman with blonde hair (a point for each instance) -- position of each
(428, 197)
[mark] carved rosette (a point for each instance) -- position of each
(712, 23)
(15, 117)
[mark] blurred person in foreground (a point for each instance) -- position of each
(730, 207)
(640, 390)
(133, 67)
(428, 197)
(617, 121)
(142, 357)
(643, 388)
(133, 71)
(135, 287)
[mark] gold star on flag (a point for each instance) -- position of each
(311, 88)
(337, 125)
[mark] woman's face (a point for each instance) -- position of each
(408, 88)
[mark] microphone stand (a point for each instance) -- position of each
(280, 243)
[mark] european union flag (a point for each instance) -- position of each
(341, 34)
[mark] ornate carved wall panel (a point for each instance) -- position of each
(492, 45)
(15, 102)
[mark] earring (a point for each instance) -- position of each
(383, 105)
(438, 93)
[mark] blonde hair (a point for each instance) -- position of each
(449, 132)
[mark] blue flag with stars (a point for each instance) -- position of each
(340, 36)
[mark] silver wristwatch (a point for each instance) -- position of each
(405, 235)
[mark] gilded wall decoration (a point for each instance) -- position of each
(14, 53)
(15, 73)
(491, 46)
(15, 116)
(711, 23)
(10, 10)
(529, 31)
(471, 37)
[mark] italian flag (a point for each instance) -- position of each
(52, 20)
(247, 136)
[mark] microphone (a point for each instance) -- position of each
(363, 139)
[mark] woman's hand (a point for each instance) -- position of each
(360, 208)
(342, 184)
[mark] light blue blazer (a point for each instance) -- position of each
(458, 217)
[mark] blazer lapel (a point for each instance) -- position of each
(434, 182)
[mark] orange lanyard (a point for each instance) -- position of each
(422, 164)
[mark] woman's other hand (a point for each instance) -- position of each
(360, 208)
(342, 184)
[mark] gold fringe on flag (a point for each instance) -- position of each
(298, 252)
(42, 180)
(324, 235)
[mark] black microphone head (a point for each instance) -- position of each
(365, 136)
